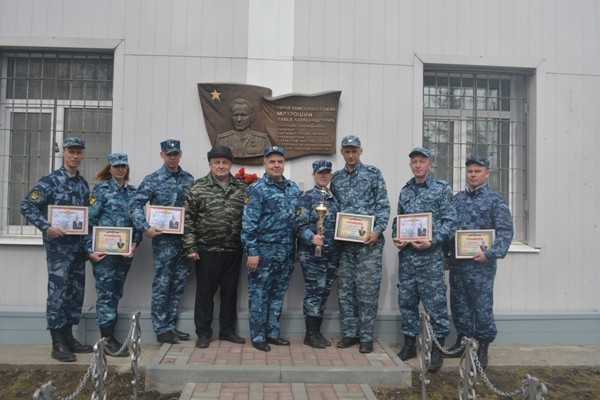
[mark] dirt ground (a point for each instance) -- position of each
(571, 383)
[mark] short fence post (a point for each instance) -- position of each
(424, 344)
(135, 352)
(468, 370)
(100, 371)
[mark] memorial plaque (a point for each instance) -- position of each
(248, 119)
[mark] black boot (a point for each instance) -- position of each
(112, 345)
(319, 322)
(409, 350)
(455, 347)
(312, 338)
(482, 353)
(60, 350)
(437, 359)
(73, 344)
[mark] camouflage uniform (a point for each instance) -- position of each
(471, 282)
(65, 256)
(108, 207)
(213, 224)
(318, 272)
(268, 228)
(361, 191)
(163, 188)
(421, 273)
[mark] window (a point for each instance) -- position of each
(475, 113)
(44, 98)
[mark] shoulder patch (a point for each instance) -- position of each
(298, 211)
(35, 196)
(92, 200)
(384, 186)
(246, 200)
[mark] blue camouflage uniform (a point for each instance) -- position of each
(164, 188)
(109, 207)
(361, 191)
(268, 226)
(471, 282)
(65, 256)
(421, 273)
(319, 272)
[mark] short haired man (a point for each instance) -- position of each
(268, 227)
(360, 189)
(65, 254)
(213, 223)
(164, 187)
(472, 280)
(421, 275)
(243, 141)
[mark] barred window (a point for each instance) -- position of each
(474, 113)
(46, 97)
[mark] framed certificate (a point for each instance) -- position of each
(353, 227)
(112, 240)
(168, 219)
(470, 242)
(72, 220)
(411, 227)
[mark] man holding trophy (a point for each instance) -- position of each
(315, 227)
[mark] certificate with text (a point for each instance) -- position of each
(112, 240)
(470, 242)
(353, 227)
(412, 227)
(72, 220)
(168, 219)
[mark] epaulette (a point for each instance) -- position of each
(259, 134)
(225, 134)
(373, 169)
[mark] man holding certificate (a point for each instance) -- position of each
(65, 255)
(165, 187)
(360, 189)
(421, 275)
(472, 279)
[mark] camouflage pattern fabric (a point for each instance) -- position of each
(471, 282)
(268, 227)
(421, 273)
(65, 256)
(213, 216)
(361, 191)
(108, 207)
(165, 189)
(319, 272)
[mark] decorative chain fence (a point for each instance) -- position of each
(98, 368)
(532, 388)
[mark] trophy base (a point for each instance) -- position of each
(318, 252)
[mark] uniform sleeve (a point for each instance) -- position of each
(252, 213)
(448, 218)
(503, 225)
(305, 230)
(95, 211)
(143, 194)
(382, 205)
(34, 203)
(399, 211)
(190, 203)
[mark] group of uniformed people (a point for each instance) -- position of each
(270, 220)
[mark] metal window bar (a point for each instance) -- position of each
(468, 113)
(39, 91)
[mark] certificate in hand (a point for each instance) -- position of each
(168, 219)
(72, 220)
(112, 240)
(470, 242)
(411, 227)
(353, 227)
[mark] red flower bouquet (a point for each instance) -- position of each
(248, 179)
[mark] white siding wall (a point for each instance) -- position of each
(366, 49)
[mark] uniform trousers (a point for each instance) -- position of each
(170, 273)
(214, 270)
(110, 274)
(359, 280)
(421, 279)
(472, 300)
(66, 287)
(319, 274)
(267, 287)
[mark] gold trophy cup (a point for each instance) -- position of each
(321, 210)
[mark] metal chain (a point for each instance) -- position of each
(127, 340)
(81, 384)
(439, 346)
(489, 384)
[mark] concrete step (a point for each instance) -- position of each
(176, 365)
